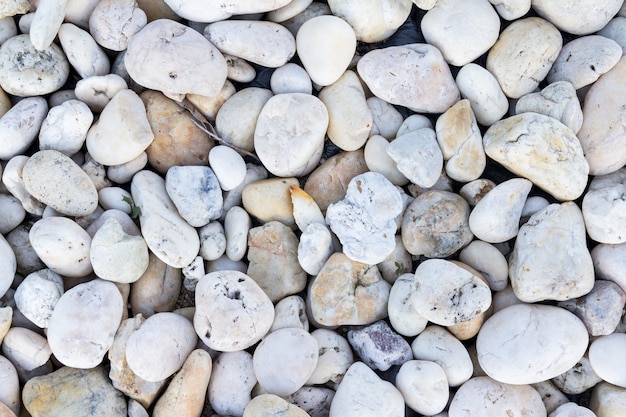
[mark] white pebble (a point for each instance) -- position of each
(37, 296)
(212, 241)
(237, 223)
(228, 165)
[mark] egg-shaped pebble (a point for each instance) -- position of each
(62, 245)
(424, 386)
(160, 346)
(114, 23)
(75, 344)
(284, 360)
(485, 95)
(26, 349)
(417, 156)
(19, 126)
(212, 241)
(290, 78)
(231, 383)
(606, 360)
(315, 247)
(232, 311)
(334, 359)
(13, 213)
(403, 316)
(196, 193)
(37, 296)
(237, 224)
(228, 165)
(326, 45)
(489, 261)
(10, 395)
(82, 51)
(65, 127)
(528, 343)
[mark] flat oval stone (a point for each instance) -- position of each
(489, 261)
(158, 57)
(157, 290)
(289, 134)
(315, 247)
(19, 126)
(160, 346)
(170, 237)
(13, 213)
(232, 311)
(82, 51)
(25, 71)
(582, 61)
(392, 73)
(264, 43)
(196, 193)
(26, 349)
(523, 55)
(37, 296)
(606, 360)
(290, 78)
(525, 344)
(231, 383)
(96, 302)
(577, 17)
(556, 162)
(237, 224)
(520, 400)
(608, 263)
(484, 93)
(424, 386)
(540, 268)
(55, 180)
(65, 127)
(326, 46)
(377, 160)
(11, 395)
(403, 316)
(228, 165)
(462, 30)
(270, 200)
(284, 360)
(62, 245)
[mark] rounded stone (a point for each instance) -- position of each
(232, 311)
(160, 346)
(289, 134)
(379, 346)
(484, 93)
(37, 296)
(19, 126)
(290, 78)
(8, 258)
(489, 261)
(13, 213)
(231, 383)
(196, 193)
(403, 316)
(82, 51)
(417, 156)
(603, 208)
(11, 386)
(578, 17)
(606, 360)
(228, 166)
(98, 303)
(65, 127)
(284, 360)
(525, 344)
(334, 358)
(424, 386)
(608, 400)
(113, 23)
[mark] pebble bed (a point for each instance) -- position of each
(344, 208)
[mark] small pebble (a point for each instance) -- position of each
(379, 346)
(424, 386)
(228, 166)
(196, 193)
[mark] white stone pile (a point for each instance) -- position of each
(343, 208)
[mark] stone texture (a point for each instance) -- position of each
(557, 100)
(607, 400)
(82, 51)
(27, 350)
(484, 93)
(334, 358)
(414, 76)
(379, 346)
(11, 395)
(37, 295)
(511, 9)
(424, 386)
(602, 208)
(605, 358)
(525, 344)
(542, 150)
(65, 127)
(271, 405)
(273, 257)
(70, 391)
(403, 316)
(98, 90)
(232, 380)
(196, 193)
(577, 17)
(232, 311)
(328, 298)
(523, 55)
(237, 224)
(489, 261)
(316, 401)
(228, 165)
(113, 23)
(19, 125)
(417, 156)
(370, 28)
(578, 378)
(540, 267)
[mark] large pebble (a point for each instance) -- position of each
(489, 261)
(557, 100)
(372, 28)
(417, 156)
(96, 91)
(122, 132)
(448, 294)
(403, 316)
(159, 56)
(578, 17)
(160, 346)
(82, 51)
(540, 267)
(349, 117)
(74, 344)
(436, 224)
(232, 380)
(334, 359)
(525, 344)
(232, 311)
(583, 60)
(379, 346)
(364, 220)
(289, 134)
(424, 386)
(26, 349)
(11, 396)
(273, 257)
(25, 71)
(8, 259)
(65, 127)
(19, 126)
(46, 22)
(608, 263)
(186, 393)
(237, 224)
(485, 397)
(326, 46)
(113, 23)
(608, 400)
(290, 312)
(315, 247)
(117, 256)
(363, 393)
(485, 95)
(55, 180)
(170, 237)
(346, 292)
(284, 360)
(462, 30)
(69, 391)
(507, 199)
(603, 208)
(603, 134)
(62, 245)
(264, 43)
(196, 193)
(37, 296)
(541, 149)
(177, 140)
(523, 55)
(392, 73)
(606, 360)
(228, 165)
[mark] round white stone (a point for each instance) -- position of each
(231, 383)
(290, 78)
(237, 224)
(334, 359)
(12, 213)
(114, 23)
(606, 358)
(603, 208)
(83, 323)
(98, 90)
(65, 127)
(160, 346)
(484, 93)
(290, 312)
(26, 349)
(378, 160)
(489, 261)
(228, 166)
(82, 51)
(511, 9)
(315, 247)
(417, 156)
(212, 241)
(19, 126)
(113, 198)
(11, 386)
(403, 316)
(37, 295)
(525, 344)
(424, 386)
(578, 17)
(284, 360)
(196, 193)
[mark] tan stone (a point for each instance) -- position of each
(157, 9)
(177, 140)
(270, 405)
(608, 400)
(347, 292)
(329, 182)
(5, 102)
(6, 318)
(185, 395)
(210, 105)
(157, 290)
(270, 200)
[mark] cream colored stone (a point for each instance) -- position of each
(46, 23)
(271, 405)
(19, 126)
(270, 200)
(484, 93)
(369, 28)
(82, 51)
(557, 100)
(417, 156)
(113, 23)
(577, 17)
(98, 90)
(608, 400)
